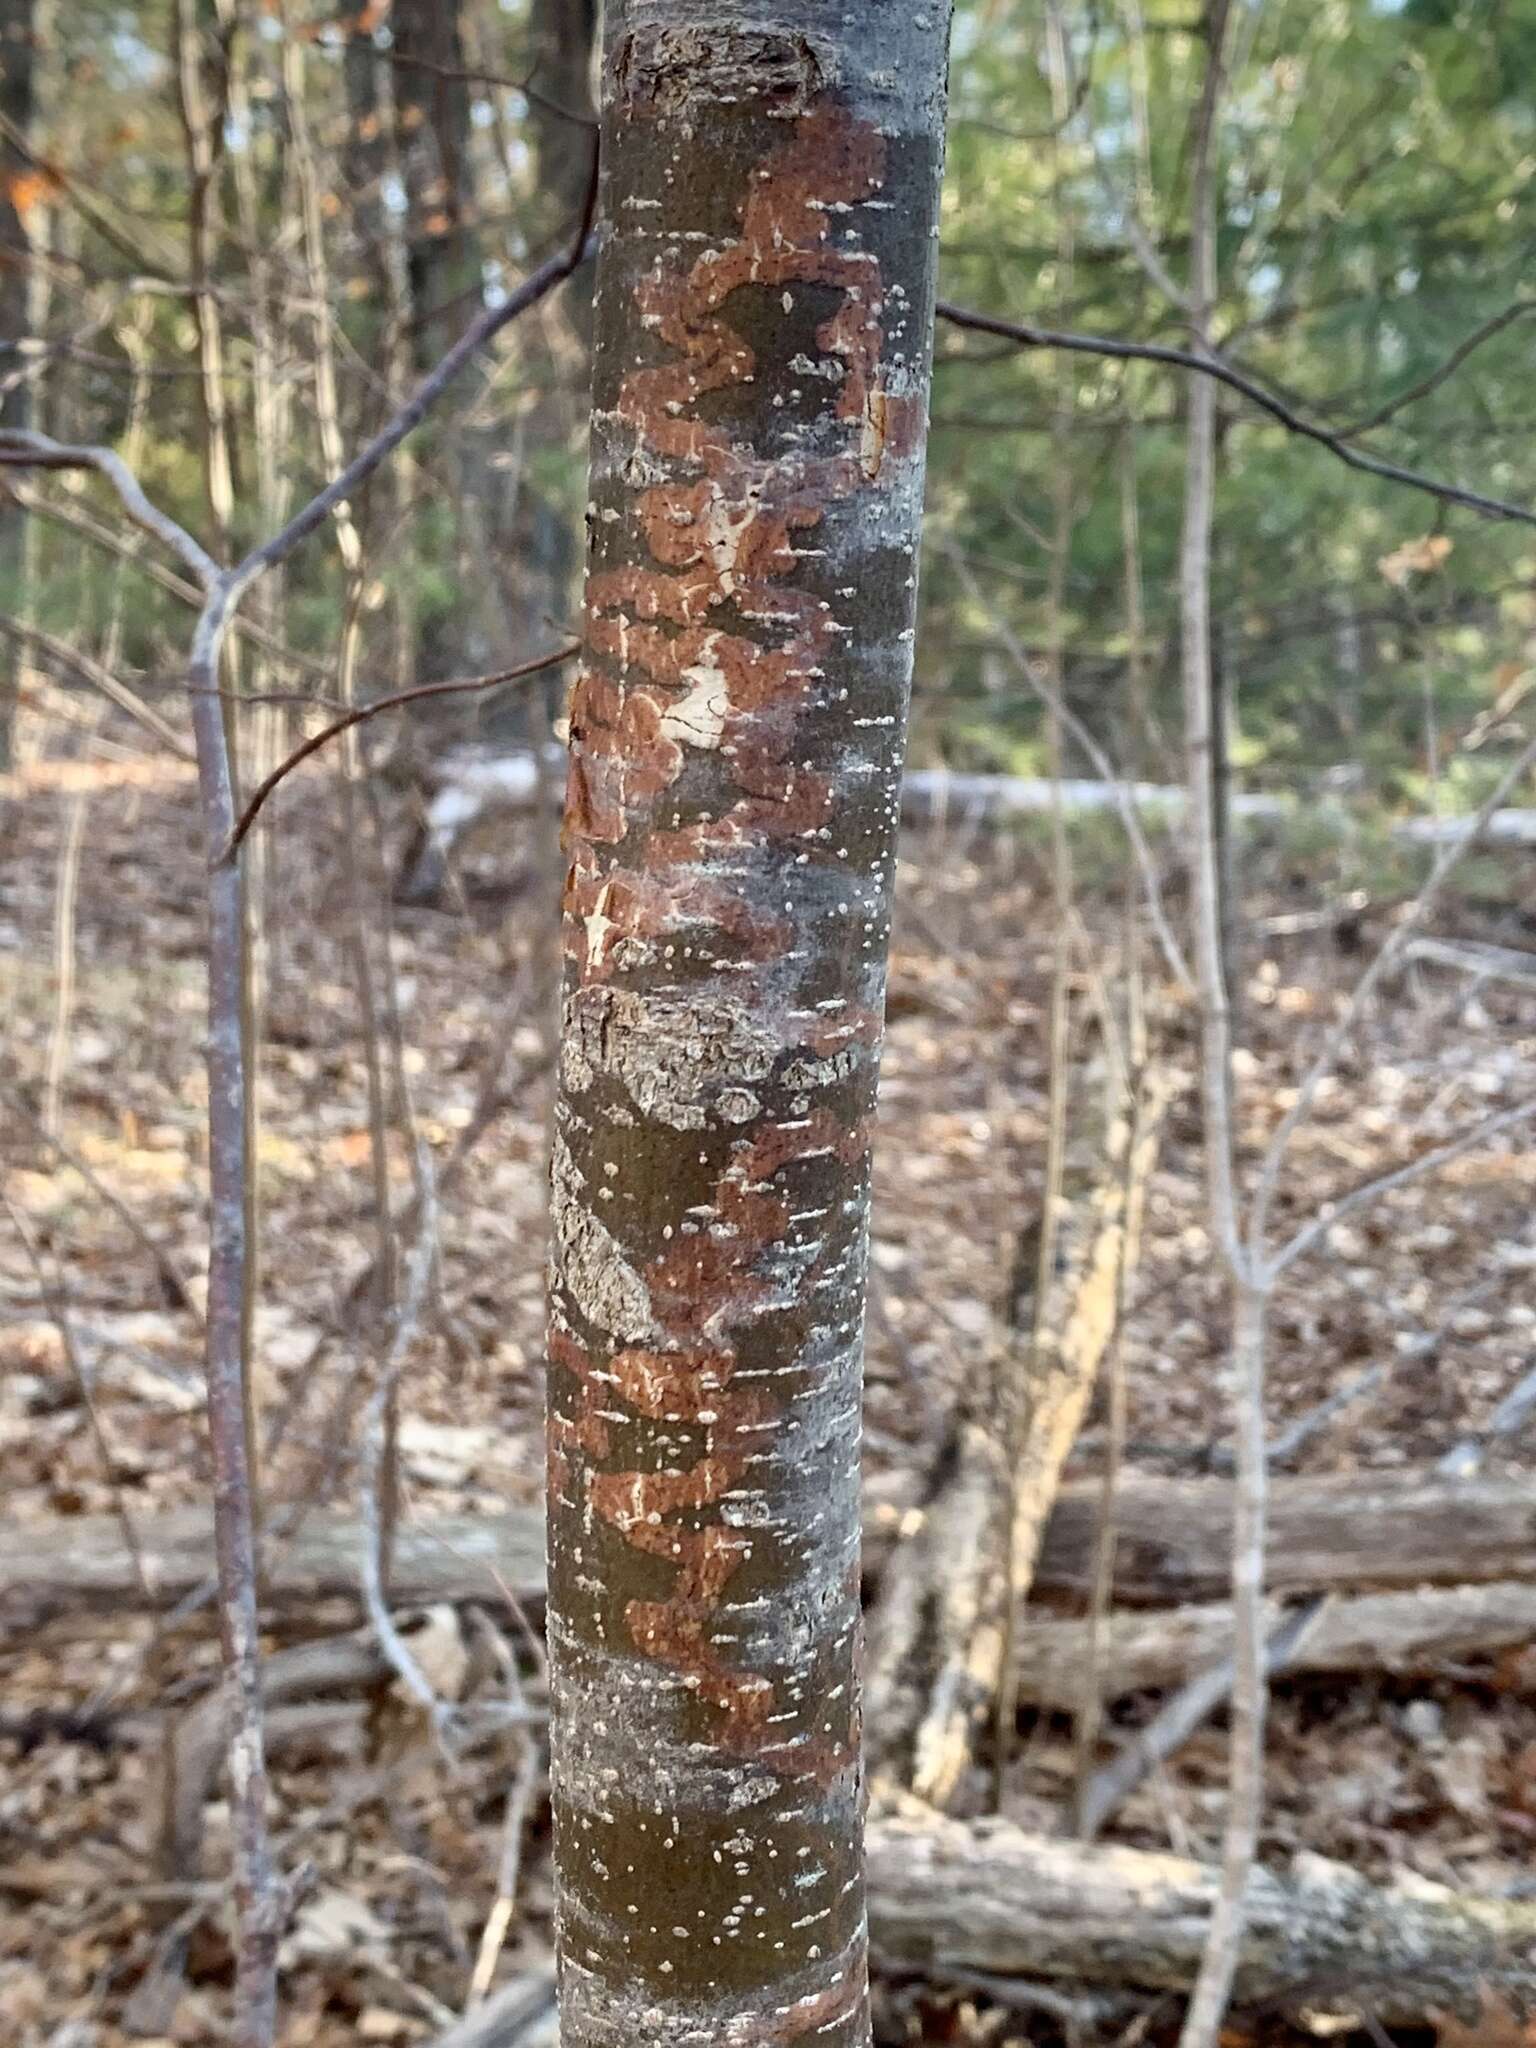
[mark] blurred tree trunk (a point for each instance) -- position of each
(432, 112)
(444, 285)
(366, 163)
(561, 35)
(16, 103)
(763, 343)
(531, 524)
(1224, 731)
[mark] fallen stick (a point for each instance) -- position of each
(1483, 963)
(1402, 1633)
(1336, 1534)
(1145, 1751)
(520, 2013)
(941, 1652)
(949, 1896)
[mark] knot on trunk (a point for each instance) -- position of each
(672, 71)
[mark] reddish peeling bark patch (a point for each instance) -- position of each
(699, 1290)
(724, 538)
(763, 345)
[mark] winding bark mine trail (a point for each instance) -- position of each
(763, 337)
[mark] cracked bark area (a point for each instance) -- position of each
(763, 332)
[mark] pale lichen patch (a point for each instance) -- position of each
(698, 719)
(679, 1061)
(601, 1282)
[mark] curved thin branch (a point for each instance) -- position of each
(452, 74)
(1123, 798)
(357, 716)
(1103, 345)
(1400, 1176)
(22, 450)
(1436, 377)
(537, 285)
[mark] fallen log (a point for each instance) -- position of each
(1403, 1633)
(1336, 1534)
(470, 786)
(987, 1903)
(986, 1896)
(941, 1652)
(81, 1560)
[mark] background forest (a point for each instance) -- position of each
(233, 237)
(1373, 221)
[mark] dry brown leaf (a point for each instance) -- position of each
(1415, 558)
(32, 188)
(1496, 2027)
(379, 2023)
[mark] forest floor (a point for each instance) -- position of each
(99, 1943)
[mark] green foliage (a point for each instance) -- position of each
(1377, 204)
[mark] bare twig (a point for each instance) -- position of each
(519, 1800)
(1521, 309)
(23, 450)
(57, 1306)
(455, 75)
(1217, 368)
(512, 2016)
(127, 242)
(1188, 1710)
(1400, 1176)
(372, 1461)
(172, 1279)
(78, 520)
(261, 1901)
(536, 666)
(64, 962)
(1122, 797)
(1507, 1420)
(1447, 860)
(23, 633)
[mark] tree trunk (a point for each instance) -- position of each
(433, 120)
(561, 35)
(530, 523)
(763, 344)
(16, 77)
